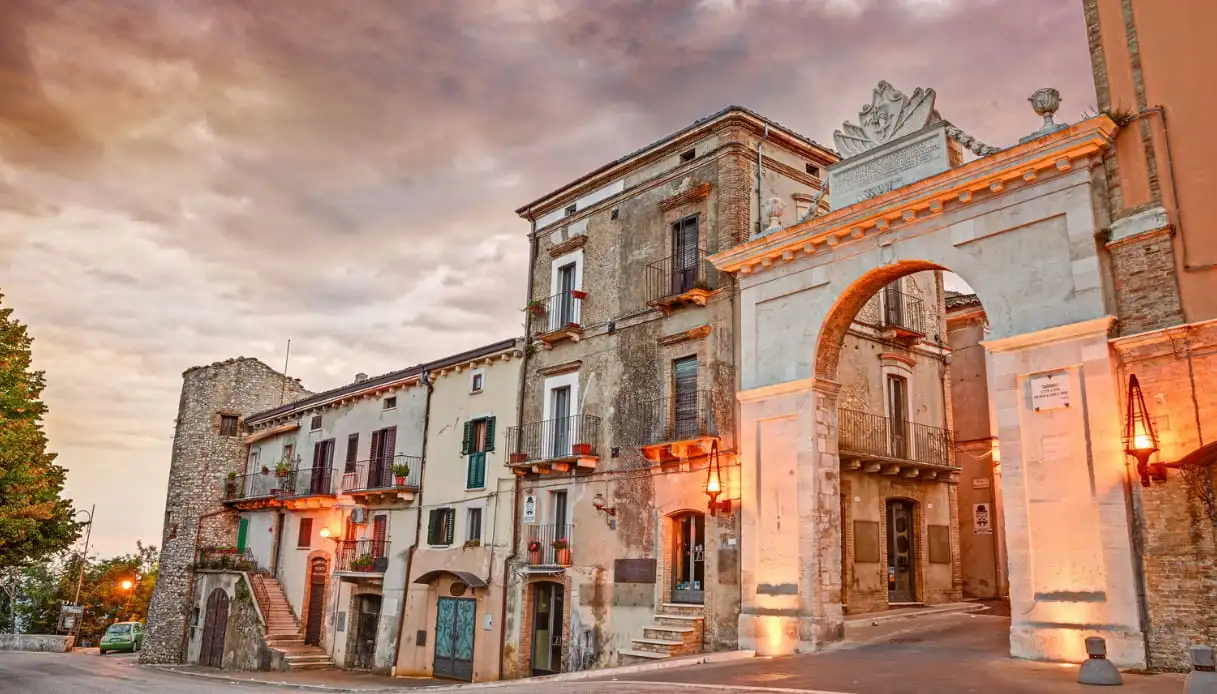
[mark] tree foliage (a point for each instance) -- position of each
(35, 520)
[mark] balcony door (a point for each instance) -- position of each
(560, 423)
(323, 460)
(684, 401)
(566, 313)
(897, 412)
(893, 307)
(380, 467)
(684, 255)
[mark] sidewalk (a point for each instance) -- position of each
(317, 680)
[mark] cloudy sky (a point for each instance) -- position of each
(187, 180)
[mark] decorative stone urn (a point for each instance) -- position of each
(1046, 101)
(774, 209)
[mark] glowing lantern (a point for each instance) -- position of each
(1140, 439)
(714, 484)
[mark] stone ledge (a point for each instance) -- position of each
(1153, 219)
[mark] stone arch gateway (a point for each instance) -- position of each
(1020, 225)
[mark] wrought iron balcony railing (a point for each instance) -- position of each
(548, 545)
(255, 485)
(864, 434)
(576, 436)
(366, 556)
(562, 311)
(226, 559)
(381, 473)
(902, 312)
(312, 482)
(681, 417)
(678, 275)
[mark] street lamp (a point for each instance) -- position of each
(127, 584)
(84, 556)
(1140, 439)
(714, 484)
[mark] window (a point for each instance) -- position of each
(897, 411)
(813, 170)
(684, 392)
(380, 533)
(352, 453)
(479, 438)
(614, 214)
(305, 538)
(254, 455)
(557, 511)
(570, 209)
(316, 423)
(228, 425)
(473, 524)
(289, 452)
(441, 528)
(687, 156)
(390, 403)
(477, 381)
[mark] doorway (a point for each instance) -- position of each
(684, 255)
(211, 652)
(367, 619)
(561, 422)
(689, 558)
(566, 313)
(897, 410)
(454, 638)
(901, 552)
(318, 568)
(548, 604)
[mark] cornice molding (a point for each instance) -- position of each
(559, 369)
(698, 333)
(1061, 333)
(568, 246)
(698, 192)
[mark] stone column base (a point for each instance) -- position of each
(1067, 643)
(785, 634)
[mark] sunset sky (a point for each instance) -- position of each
(182, 181)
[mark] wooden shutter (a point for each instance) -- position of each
(433, 527)
(242, 534)
(389, 441)
(380, 529)
(352, 452)
(449, 525)
(489, 434)
(475, 477)
(467, 442)
(376, 444)
(305, 537)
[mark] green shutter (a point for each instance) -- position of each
(449, 525)
(242, 531)
(489, 434)
(467, 444)
(475, 477)
(433, 527)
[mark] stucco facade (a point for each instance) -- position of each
(628, 388)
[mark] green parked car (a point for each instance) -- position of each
(122, 636)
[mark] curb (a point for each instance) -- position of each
(872, 620)
(604, 673)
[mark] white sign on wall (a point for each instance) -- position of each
(530, 509)
(1049, 391)
(980, 483)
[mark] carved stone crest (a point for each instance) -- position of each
(890, 115)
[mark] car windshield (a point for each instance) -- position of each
(119, 629)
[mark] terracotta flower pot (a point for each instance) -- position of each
(563, 556)
(582, 448)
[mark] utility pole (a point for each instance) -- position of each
(84, 557)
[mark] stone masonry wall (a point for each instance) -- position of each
(1180, 541)
(1143, 272)
(201, 460)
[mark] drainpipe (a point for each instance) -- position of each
(515, 504)
(759, 174)
(198, 530)
(425, 378)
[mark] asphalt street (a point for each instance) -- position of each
(89, 673)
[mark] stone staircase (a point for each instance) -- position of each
(283, 632)
(677, 631)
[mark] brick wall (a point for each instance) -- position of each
(201, 460)
(1180, 555)
(1147, 292)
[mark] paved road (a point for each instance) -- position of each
(89, 673)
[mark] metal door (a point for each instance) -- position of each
(901, 552)
(316, 603)
(215, 624)
(684, 255)
(454, 627)
(366, 622)
(684, 377)
(689, 560)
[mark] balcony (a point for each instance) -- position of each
(376, 481)
(257, 490)
(225, 559)
(679, 279)
(903, 316)
(310, 488)
(554, 445)
(877, 444)
(557, 318)
(678, 427)
(361, 558)
(548, 545)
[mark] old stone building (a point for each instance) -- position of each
(1158, 195)
(208, 444)
(627, 416)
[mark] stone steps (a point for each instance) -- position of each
(283, 632)
(677, 631)
(631, 657)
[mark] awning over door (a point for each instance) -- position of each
(471, 580)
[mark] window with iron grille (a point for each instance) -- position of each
(441, 527)
(228, 425)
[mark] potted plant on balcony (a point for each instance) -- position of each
(562, 551)
(283, 468)
(224, 549)
(472, 543)
(362, 563)
(534, 552)
(400, 472)
(230, 486)
(578, 294)
(581, 448)
(536, 307)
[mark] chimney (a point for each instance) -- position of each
(361, 377)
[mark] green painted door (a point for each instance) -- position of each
(242, 531)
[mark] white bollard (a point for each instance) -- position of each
(1203, 679)
(1098, 670)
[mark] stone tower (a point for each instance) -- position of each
(208, 443)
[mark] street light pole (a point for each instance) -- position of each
(84, 557)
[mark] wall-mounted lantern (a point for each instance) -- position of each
(600, 504)
(1140, 439)
(714, 484)
(325, 532)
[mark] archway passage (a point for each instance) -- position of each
(215, 624)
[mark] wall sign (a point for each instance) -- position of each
(982, 521)
(530, 509)
(634, 571)
(1049, 391)
(980, 483)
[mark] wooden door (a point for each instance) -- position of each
(454, 629)
(316, 602)
(901, 552)
(215, 624)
